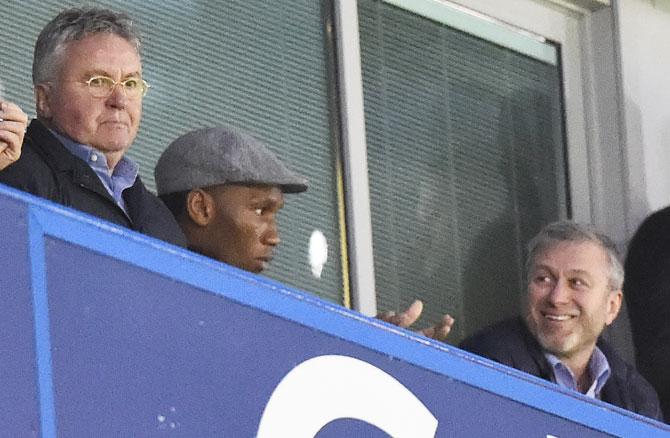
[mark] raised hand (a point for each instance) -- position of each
(13, 123)
(405, 319)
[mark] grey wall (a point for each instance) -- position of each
(644, 50)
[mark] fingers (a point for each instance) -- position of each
(441, 330)
(12, 132)
(409, 316)
(11, 112)
(13, 123)
(387, 316)
(403, 319)
(10, 142)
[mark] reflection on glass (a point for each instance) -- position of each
(318, 252)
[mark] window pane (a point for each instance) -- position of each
(465, 156)
(257, 65)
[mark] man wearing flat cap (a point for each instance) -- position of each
(225, 189)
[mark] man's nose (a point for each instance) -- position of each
(118, 98)
(560, 293)
(271, 236)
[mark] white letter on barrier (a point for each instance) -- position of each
(327, 388)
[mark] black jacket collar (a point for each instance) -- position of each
(62, 160)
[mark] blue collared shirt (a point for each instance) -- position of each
(598, 369)
(123, 176)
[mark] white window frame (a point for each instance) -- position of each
(592, 115)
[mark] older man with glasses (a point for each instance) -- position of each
(87, 76)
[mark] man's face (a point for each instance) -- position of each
(244, 230)
(569, 300)
(108, 124)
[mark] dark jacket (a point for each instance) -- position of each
(47, 169)
(647, 292)
(511, 343)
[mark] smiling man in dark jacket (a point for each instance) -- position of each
(574, 292)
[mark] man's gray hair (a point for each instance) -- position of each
(73, 25)
(568, 231)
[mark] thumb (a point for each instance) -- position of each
(412, 313)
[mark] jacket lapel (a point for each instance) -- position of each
(612, 391)
(63, 161)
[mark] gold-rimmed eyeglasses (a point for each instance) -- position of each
(103, 86)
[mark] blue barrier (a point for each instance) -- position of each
(106, 332)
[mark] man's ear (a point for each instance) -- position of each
(200, 207)
(614, 301)
(42, 104)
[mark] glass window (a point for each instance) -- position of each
(257, 65)
(466, 162)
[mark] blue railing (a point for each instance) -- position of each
(106, 332)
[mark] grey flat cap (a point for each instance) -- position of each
(221, 155)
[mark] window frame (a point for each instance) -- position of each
(592, 117)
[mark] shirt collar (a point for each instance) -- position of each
(598, 368)
(125, 168)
